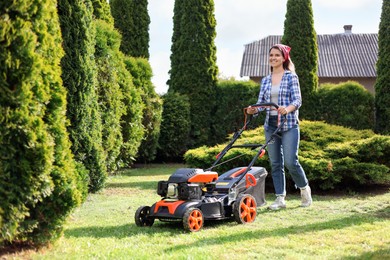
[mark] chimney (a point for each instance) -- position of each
(348, 29)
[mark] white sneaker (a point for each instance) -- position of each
(306, 197)
(279, 203)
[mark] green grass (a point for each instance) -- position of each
(353, 226)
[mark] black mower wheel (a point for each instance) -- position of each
(142, 218)
(193, 219)
(244, 210)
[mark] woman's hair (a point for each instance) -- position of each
(284, 49)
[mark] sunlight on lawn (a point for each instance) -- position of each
(335, 227)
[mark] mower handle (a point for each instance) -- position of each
(268, 104)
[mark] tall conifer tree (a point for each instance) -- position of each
(382, 84)
(120, 100)
(79, 74)
(38, 176)
(193, 64)
(299, 33)
(132, 20)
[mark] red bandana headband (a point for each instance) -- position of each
(284, 49)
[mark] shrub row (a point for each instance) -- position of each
(40, 182)
(332, 156)
(346, 104)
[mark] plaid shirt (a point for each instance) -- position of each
(289, 94)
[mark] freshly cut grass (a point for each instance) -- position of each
(352, 226)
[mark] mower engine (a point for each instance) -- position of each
(186, 184)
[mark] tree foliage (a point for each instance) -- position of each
(39, 181)
(382, 85)
(132, 19)
(151, 119)
(348, 104)
(175, 130)
(110, 97)
(79, 74)
(101, 11)
(232, 97)
(193, 64)
(299, 33)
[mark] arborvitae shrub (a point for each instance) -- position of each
(39, 181)
(108, 58)
(79, 77)
(232, 97)
(132, 129)
(175, 127)
(299, 33)
(142, 80)
(347, 104)
(382, 83)
(193, 65)
(132, 19)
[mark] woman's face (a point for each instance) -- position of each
(276, 58)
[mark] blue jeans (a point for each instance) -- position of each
(284, 152)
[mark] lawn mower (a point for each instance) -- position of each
(192, 195)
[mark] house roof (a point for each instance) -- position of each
(339, 55)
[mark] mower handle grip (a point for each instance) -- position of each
(268, 104)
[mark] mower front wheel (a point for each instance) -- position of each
(193, 219)
(142, 218)
(245, 209)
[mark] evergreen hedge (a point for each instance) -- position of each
(232, 96)
(40, 182)
(175, 127)
(193, 64)
(141, 72)
(79, 75)
(132, 19)
(333, 157)
(347, 104)
(108, 58)
(382, 84)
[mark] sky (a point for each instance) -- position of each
(240, 22)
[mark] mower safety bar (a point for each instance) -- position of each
(265, 105)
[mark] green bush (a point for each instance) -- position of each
(142, 79)
(108, 58)
(40, 183)
(193, 65)
(79, 76)
(232, 97)
(175, 127)
(347, 104)
(332, 156)
(132, 129)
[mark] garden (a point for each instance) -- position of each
(339, 225)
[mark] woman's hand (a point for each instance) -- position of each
(251, 110)
(284, 110)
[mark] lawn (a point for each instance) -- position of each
(348, 226)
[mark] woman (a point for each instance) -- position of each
(282, 87)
